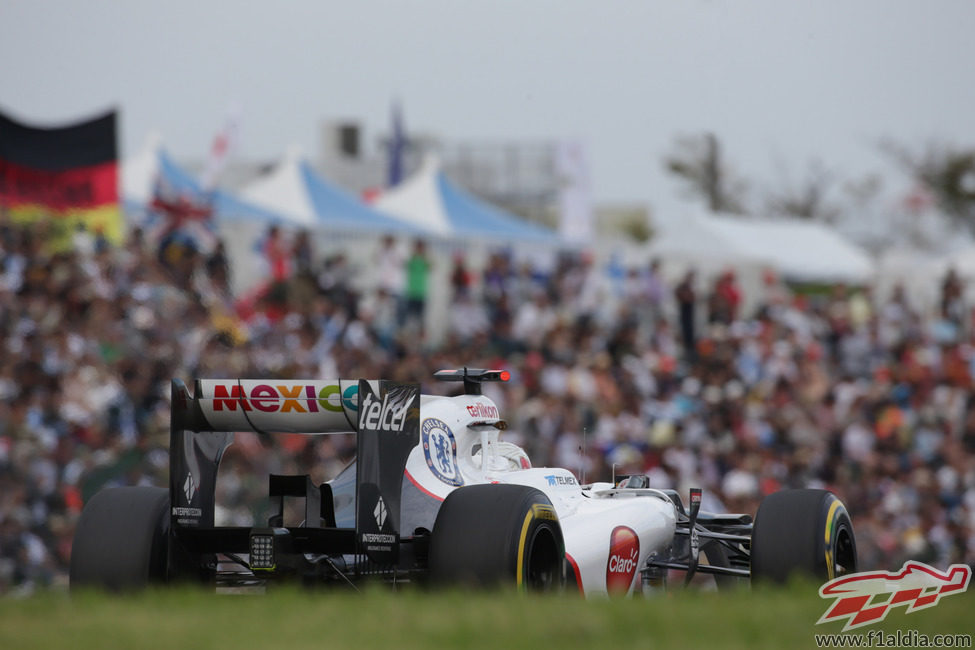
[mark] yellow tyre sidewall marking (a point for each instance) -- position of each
(542, 512)
(834, 509)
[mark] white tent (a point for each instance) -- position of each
(962, 261)
(696, 240)
(430, 202)
(294, 189)
(284, 190)
(417, 200)
(800, 251)
(917, 272)
(142, 173)
(139, 172)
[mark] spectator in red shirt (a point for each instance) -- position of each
(278, 254)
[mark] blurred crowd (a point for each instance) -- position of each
(612, 373)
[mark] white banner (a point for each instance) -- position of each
(575, 192)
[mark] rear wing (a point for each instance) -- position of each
(269, 406)
(384, 415)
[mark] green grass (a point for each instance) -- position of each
(288, 618)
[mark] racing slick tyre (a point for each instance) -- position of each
(121, 539)
(806, 532)
(495, 535)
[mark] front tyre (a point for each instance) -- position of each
(806, 532)
(495, 535)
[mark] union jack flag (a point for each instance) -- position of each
(180, 217)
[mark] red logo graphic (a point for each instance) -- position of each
(482, 410)
(866, 598)
(624, 555)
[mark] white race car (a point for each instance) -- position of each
(434, 496)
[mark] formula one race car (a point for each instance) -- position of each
(433, 497)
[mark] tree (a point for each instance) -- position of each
(697, 161)
(807, 199)
(947, 172)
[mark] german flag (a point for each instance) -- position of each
(67, 174)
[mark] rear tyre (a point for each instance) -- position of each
(496, 535)
(805, 532)
(121, 539)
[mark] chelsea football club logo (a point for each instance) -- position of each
(440, 450)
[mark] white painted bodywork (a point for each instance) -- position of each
(588, 514)
(460, 444)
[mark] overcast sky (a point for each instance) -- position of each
(780, 82)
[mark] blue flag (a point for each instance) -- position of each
(397, 148)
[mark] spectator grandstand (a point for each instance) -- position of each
(847, 390)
